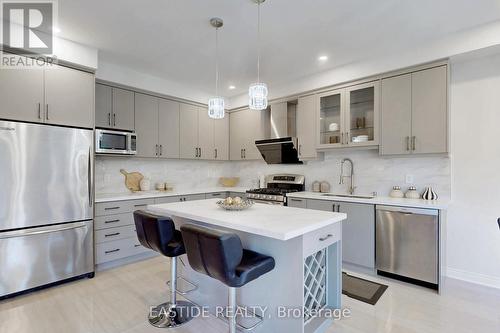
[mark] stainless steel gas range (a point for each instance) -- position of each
(277, 187)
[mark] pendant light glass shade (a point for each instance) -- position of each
(216, 104)
(216, 107)
(257, 94)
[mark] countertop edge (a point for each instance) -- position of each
(157, 194)
(388, 201)
(338, 218)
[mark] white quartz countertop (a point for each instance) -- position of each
(401, 202)
(274, 221)
(109, 197)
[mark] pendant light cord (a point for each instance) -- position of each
(258, 42)
(217, 62)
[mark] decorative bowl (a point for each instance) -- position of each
(245, 204)
(229, 181)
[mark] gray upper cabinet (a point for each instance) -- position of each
(430, 111)
(396, 115)
(202, 137)
(206, 130)
(56, 95)
(414, 115)
(306, 127)
(69, 97)
(103, 105)
(114, 108)
(237, 135)
(168, 128)
(246, 127)
(21, 93)
(146, 125)
(189, 148)
(221, 139)
(123, 109)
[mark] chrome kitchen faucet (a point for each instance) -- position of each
(351, 176)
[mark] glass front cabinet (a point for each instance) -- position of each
(349, 117)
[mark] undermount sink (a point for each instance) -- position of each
(349, 196)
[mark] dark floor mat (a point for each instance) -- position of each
(361, 289)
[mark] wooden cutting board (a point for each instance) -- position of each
(132, 180)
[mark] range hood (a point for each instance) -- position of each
(280, 147)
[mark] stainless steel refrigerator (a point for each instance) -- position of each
(46, 186)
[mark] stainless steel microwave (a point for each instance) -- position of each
(115, 142)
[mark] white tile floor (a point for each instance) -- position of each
(117, 300)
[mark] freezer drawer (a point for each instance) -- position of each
(35, 257)
(407, 242)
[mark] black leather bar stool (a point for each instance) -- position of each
(221, 256)
(158, 234)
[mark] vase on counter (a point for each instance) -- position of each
(412, 193)
(325, 187)
(145, 184)
(429, 194)
(396, 192)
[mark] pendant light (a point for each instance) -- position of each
(258, 92)
(216, 104)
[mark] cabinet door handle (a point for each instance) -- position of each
(140, 205)
(39, 111)
(111, 208)
(241, 153)
(413, 142)
(347, 138)
(111, 235)
(161, 150)
(47, 112)
(322, 239)
(245, 153)
(111, 221)
(109, 119)
(156, 150)
(215, 153)
(407, 143)
(137, 245)
(342, 138)
(300, 150)
(114, 119)
(296, 200)
(108, 252)
(199, 155)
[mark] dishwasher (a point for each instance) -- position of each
(407, 244)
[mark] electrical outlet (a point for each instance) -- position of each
(410, 179)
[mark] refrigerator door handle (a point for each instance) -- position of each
(89, 180)
(46, 230)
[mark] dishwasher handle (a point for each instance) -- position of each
(409, 210)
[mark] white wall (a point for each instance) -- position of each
(462, 41)
(473, 237)
(132, 78)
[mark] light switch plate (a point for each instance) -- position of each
(410, 179)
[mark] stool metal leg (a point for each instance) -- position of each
(174, 313)
(232, 309)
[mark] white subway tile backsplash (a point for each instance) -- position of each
(372, 173)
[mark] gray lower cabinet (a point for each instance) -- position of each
(358, 231)
(298, 203)
(115, 234)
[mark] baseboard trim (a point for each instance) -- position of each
(476, 278)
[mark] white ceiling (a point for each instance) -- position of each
(172, 39)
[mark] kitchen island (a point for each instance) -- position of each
(307, 281)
